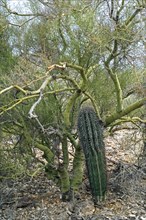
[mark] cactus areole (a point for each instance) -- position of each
(90, 130)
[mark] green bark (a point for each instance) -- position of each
(68, 109)
(65, 183)
(80, 69)
(78, 164)
(130, 108)
(51, 171)
(65, 152)
(115, 79)
(48, 155)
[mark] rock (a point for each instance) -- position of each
(132, 217)
(142, 218)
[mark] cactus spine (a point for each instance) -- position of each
(91, 139)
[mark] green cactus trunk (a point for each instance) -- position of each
(90, 131)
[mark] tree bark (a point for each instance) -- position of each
(78, 165)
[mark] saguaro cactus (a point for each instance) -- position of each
(90, 132)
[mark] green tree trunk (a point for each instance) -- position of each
(78, 165)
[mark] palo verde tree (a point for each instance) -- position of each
(6, 56)
(72, 54)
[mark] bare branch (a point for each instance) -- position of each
(31, 111)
